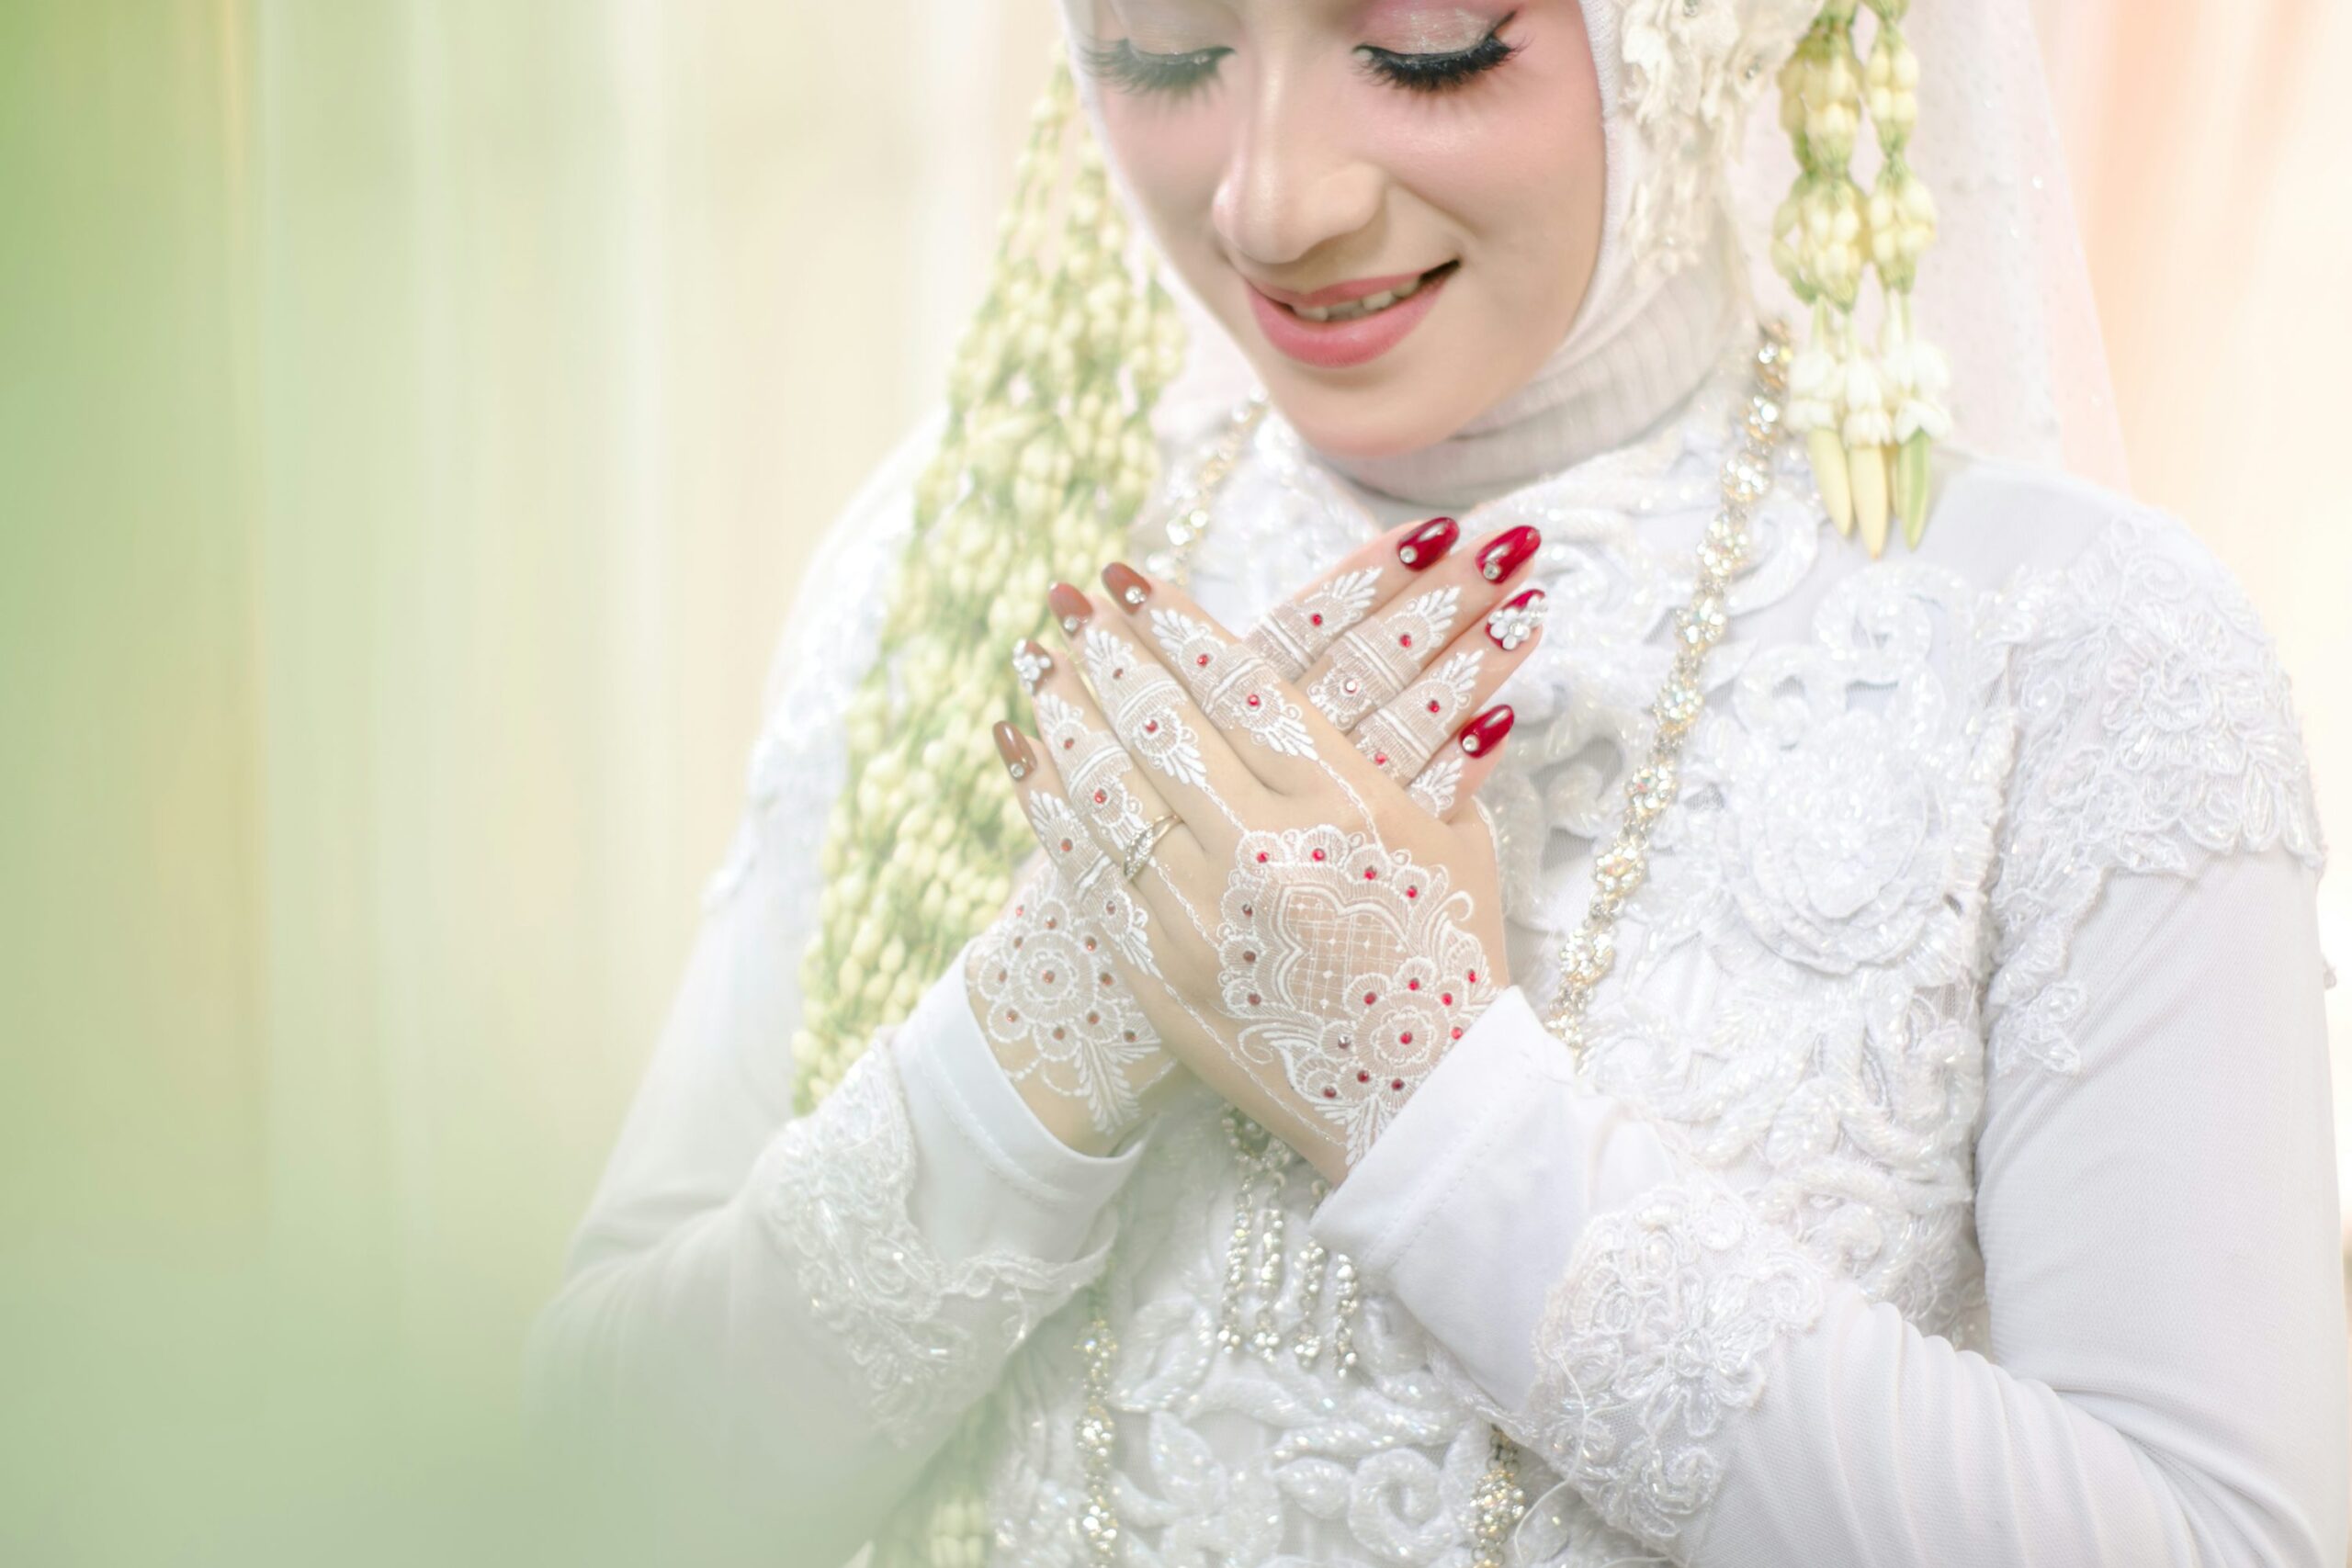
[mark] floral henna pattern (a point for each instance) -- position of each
(1372, 662)
(1094, 769)
(1436, 787)
(1350, 970)
(1053, 1007)
(1408, 732)
(1234, 684)
(1145, 707)
(1295, 632)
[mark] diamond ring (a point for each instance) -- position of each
(1138, 854)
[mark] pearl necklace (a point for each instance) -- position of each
(1586, 957)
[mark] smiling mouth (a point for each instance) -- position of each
(1372, 304)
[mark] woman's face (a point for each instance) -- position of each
(1296, 155)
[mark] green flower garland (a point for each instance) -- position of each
(1048, 456)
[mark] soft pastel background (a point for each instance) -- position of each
(414, 416)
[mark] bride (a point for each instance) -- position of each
(1659, 938)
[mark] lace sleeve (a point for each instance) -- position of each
(921, 1335)
(793, 1311)
(1661, 1327)
(2155, 730)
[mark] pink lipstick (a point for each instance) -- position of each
(1340, 344)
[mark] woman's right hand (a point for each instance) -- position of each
(1068, 1034)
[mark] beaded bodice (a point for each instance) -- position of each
(1910, 780)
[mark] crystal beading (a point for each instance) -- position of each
(1498, 1502)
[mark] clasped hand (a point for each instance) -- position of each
(1265, 865)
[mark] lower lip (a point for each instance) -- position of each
(1338, 346)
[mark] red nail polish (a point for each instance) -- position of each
(1071, 609)
(1515, 620)
(1014, 747)
(1484, 733)
(1127, 584)
(1508, 551)
(1426, 546)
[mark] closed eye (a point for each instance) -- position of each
(1440, 72)
(1137, 71)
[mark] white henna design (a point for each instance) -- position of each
(1295, 634)
(1350, 970)
(1435, 788)
(1145, 706)
(1052, 1006)
(1407, 733)
(1094, 769)
(1372, 662)
(1234, 685)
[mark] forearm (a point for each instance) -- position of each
(811, 1339)
(2158, 1231)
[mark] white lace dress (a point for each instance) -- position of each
(1951, 1182)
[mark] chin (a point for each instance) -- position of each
(1373, 421)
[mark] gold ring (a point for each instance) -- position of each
(1138, 853)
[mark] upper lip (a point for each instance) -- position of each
(1338, 293)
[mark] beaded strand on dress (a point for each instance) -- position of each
(1499, 1501)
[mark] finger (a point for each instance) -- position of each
(1367, 665)
(1403, 734)
(1232, 683)
(1448, 781)
(1110, 793)
(1189, 759)
(1288, 747)
(1116, 911)
(1295, 633)
(1115, 800)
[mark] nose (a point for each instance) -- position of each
(1292, 181)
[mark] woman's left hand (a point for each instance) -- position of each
(1304, 935)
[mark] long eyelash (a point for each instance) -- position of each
(1125, 67)
(1442, 73)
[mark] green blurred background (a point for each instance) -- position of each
(414, 415)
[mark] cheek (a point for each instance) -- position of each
(1172, 156)
(1523, 183)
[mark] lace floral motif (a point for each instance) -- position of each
(1656, 1332)
(2155, 729)
(1692, 69)
(1912, 778)
(924, 1335)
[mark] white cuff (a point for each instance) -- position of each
(1467, 1207)
(989, 1174)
